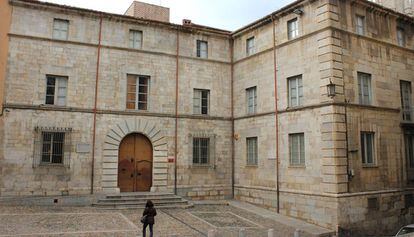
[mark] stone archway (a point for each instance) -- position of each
(111, 151)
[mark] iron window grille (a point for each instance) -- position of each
(52, 146)
(252, 156)
(201, 153)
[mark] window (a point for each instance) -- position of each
(295, 91)
(250, 48)
(251, 96)
(60, 29)
(297, 149)
(137, 92)
(400, 37)
(251, 144)
(56, 90)
(293, 28)
(373, 204)
(201, 101)
(201, 154)
(202, 49)
(360, 25)
(135, 39)
(406, 100)
(52, 147)
(367, 148)
(364, 88)
(409, 150)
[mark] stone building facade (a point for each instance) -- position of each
(243, 114)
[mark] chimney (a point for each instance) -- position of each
(148, 11)
(186, 22)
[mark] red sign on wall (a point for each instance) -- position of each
(171, 159)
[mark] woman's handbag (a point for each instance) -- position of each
(144, 219)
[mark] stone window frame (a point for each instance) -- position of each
(212, 150)
(251, 94)
(133, 39)
(401, 36)
(360, 29)
(293, 28)
(199, 49)
(252, 153)
(39, 146)
(301, 150)
(363, 149)
(137, 92)
(58, 32)
(364, 99)
(59, 81)
(298, 79)
(250, 46)
(406, 109)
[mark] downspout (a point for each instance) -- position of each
(232, 117)
(95, 104)
(349, 174)
(176, 111)
(276, 115)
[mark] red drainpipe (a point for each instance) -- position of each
(276, 115)
(176, 112)
(95, 105)
(232, 118)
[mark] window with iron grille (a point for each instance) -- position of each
(297, 149)
(135, 39)
(201, 151)
(202, 49)
(56, 90)
(367, 148)
(405, 87)
(364, 87)
(52, 146)
(137, 92)
(400, 36)
(293, 28)
(251, 96)
(295, 91)
(373, 204)
(360, 25)
(251, 143)
(250, 47)
(60, 29)
(201, 101)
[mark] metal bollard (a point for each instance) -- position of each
(297, 233)
(242, 232)
(211, 233)
(270, 233)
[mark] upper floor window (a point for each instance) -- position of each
(201, 151)
(364, 88)
(405, 87)
(360, 25)
(135, 39)
(56, 90)
(297, 149)
(293, 28)
(202, 49)
(251, 96)
(250, 47)
(60, 29)
(137, 92)
(367, 148)
(201, 101)
(295, 91)
(251, 144)
(401, 37)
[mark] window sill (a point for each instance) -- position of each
(252, 166)
(46, 165)
(136, 110)
(297, 166)
(207, 166)
(370, 166)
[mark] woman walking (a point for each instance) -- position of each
(148, 218)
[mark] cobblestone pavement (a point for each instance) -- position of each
(88, 221)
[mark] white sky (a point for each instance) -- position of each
(223, 14)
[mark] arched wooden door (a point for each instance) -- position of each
(135, 164)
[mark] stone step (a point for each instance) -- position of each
(142, 207)
(153, 199)
(140, 195)
(141, 203)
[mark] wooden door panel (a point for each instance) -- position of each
(135, 164)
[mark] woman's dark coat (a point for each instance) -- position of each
(150, 212)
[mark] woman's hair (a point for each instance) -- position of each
(149, 204)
